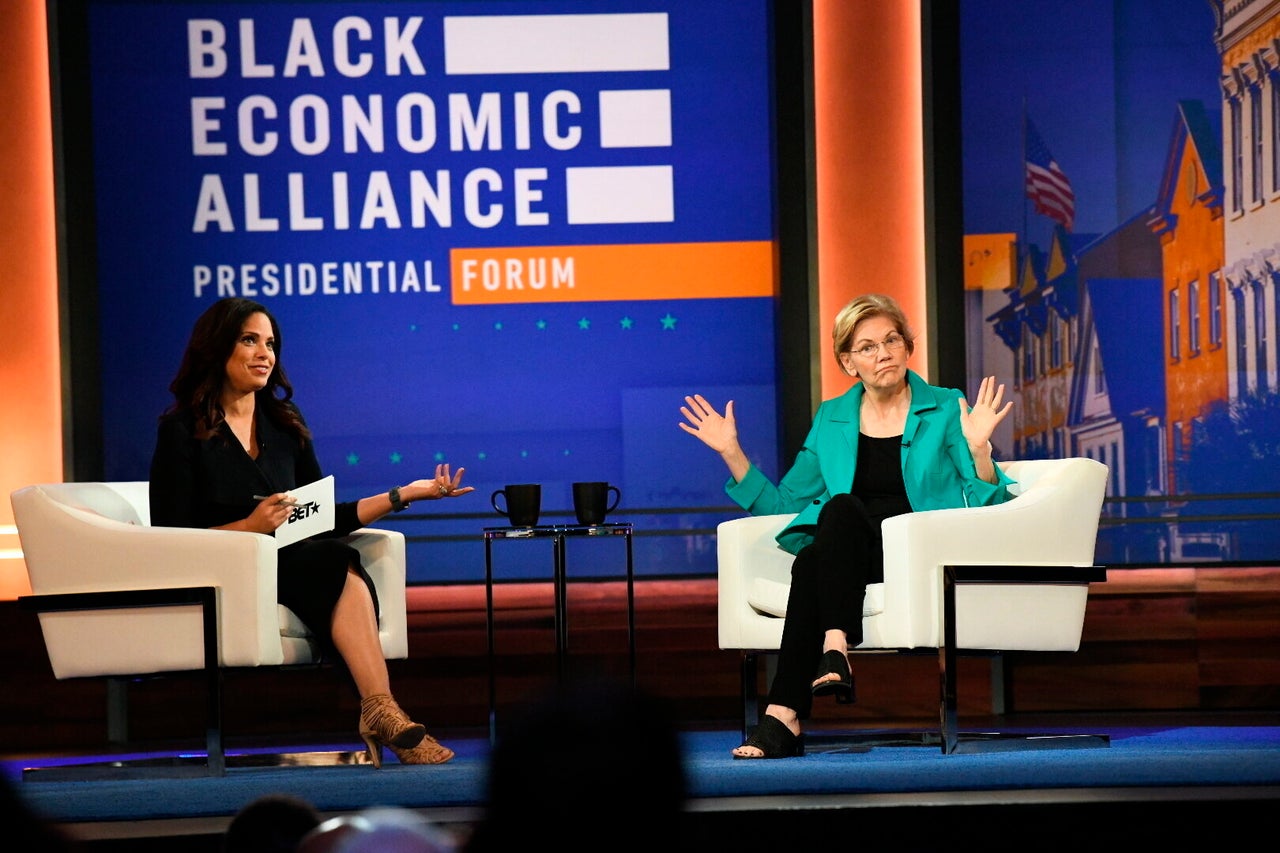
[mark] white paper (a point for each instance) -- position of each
(315, 512)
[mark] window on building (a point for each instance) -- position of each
(1175, 326)
(1256, 143)
(1176, 455)
(1260, 335)
(1273, 86)
(1237, 157)
(1193, 317)
(1215, 309)
(1242, 342)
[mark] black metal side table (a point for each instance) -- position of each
(558, 534)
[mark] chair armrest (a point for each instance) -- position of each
(746, 550)
(382, 553)
(68, 549)
(1053, 523)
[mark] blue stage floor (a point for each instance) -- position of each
(1152, 762)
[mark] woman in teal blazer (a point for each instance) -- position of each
(891, 444)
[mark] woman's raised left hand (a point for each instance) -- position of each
(445, 484)
(981, 421)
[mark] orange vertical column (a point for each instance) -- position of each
(869, 164)
(30, 364)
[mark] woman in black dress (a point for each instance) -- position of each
(232, 433)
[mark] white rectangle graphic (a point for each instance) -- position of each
(635, 118)
(619, 194)
(532, 44)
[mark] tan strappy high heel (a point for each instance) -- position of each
(383, 722)
(430, 751)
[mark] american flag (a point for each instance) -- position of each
(1047, 185)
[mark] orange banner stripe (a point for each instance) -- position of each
(611, 273)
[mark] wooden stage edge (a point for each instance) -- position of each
(1169, 641)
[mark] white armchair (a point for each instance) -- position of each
(106, 585)
(1016, 574)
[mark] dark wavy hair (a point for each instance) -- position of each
(197, 387)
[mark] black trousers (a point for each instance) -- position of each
(828, 583)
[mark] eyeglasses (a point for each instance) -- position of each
(893, 343)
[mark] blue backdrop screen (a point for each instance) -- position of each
(1122, 290)
(510, 236)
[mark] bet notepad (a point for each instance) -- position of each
(314, 513)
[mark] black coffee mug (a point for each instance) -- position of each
(591, 501)
(523, 503)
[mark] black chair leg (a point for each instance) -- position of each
(750, 693)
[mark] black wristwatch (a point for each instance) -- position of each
(397, 505)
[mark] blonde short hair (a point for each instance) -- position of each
(862, 308)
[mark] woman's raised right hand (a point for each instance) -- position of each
(719, 432)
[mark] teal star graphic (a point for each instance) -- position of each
(524, 454)
(668, 322)
(457, 326)
(413, 327)
(567, 451)
(627, 322)
(396, 458)
(542, 325)
(497, 327)
(353, 459)
(482, 455)
(584, 324)
(439, 457)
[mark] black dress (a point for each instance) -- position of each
(211, 482)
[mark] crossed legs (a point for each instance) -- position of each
(355, 635)
(824, 614)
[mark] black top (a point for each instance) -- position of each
(211, 482)
(877, 477)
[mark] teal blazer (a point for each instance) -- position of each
(937, 466)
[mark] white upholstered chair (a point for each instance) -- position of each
(1016, 577)
(119, 598)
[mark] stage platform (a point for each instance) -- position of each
(1206, 768)
(1156, 781)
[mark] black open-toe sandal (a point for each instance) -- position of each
(834, 661)
(774, 739)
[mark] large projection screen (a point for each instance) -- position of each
(1120, 186)
(510, 236)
